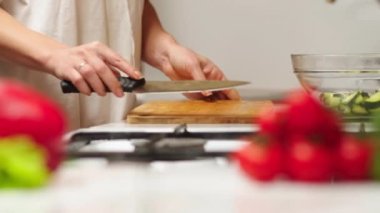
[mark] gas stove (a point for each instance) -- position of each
(120, 141)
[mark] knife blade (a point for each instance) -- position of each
(142, 86)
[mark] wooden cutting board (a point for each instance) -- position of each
(197, 112)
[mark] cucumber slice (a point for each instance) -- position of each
(374, 97)
(361, 97)
(350, 98)
(354, 103)
(358, 109)
(332, 100)
(345, 109)
(358, 104)
(373, 102)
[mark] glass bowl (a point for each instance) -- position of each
(347, 83)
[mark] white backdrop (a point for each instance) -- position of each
(253, 39)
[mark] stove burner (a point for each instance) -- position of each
(177, 145)
(172, 148)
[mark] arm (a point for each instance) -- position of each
(155, 39)
(88, 66)
(177, 62)
(16, 45)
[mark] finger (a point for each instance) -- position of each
(197, 74)
(79, 82)
(232, 94)
(93, 80)
(203, 60)
(219, 74)
(106, 75)
(169, 71)
(207, 67)
(167, 68)
(220, 95)
(215, 74)
(194, 96)
(116, 73)
(113, 59)
(207, 71)
(212, 71)
(211, 98)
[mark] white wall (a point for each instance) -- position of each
(253, 39)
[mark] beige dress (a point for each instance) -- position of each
(116, 23)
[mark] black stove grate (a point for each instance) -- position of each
(180, 144)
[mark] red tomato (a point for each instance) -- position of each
(304, 113)
(354, 158)
(261, 161)
(24, 111)
(309, 161)
(307, 116)
(272, 122)
(332, 129)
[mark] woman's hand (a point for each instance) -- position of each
(177, 62)
(90, 67)
(180, 63)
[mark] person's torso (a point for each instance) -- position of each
(116, 23)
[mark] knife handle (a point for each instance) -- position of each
(127, 84)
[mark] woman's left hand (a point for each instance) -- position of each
(160, 50)
(180, 63)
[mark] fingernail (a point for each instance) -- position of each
(120, 93)
(207, 93)
(138, 74)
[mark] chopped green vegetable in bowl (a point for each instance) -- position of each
(352, 103)
(348, 83)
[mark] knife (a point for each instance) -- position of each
(143, 86)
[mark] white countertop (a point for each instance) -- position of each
(203, 186)
(215, 185)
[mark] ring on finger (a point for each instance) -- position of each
(81, 65)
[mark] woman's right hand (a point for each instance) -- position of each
(90, 67)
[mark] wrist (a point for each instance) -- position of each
(157, 50)
(47, 56)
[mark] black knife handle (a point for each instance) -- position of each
(127, 84)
